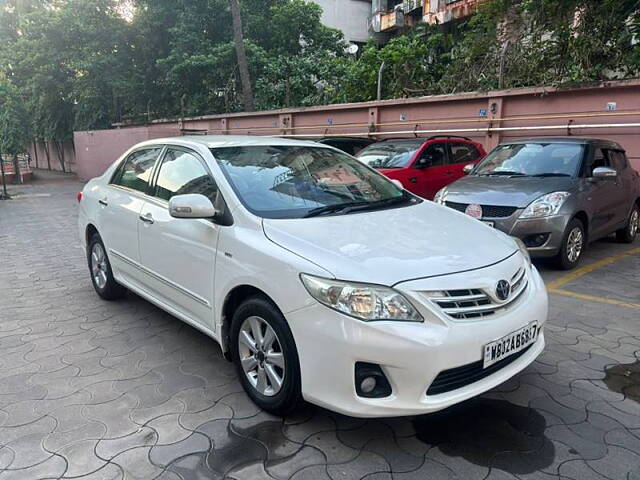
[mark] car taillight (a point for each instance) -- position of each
(79, 197)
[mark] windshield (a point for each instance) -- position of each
(390, 154)
(293, 181)
(533, 159)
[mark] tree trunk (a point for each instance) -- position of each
(35, 151)
(47, 153)
(17, 173)
(60, 153)
(4, 195)
(238, 38)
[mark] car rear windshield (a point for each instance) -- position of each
(533, 160)
(299, 181)
(389, 154)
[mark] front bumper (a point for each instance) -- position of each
(411, 354)
(526, 227)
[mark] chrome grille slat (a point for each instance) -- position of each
(465, 304)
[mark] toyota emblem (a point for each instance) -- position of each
(474, 210)
(503, 290)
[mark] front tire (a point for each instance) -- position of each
(573, 245)
(100, 269)
(265, 355)
(630, 231)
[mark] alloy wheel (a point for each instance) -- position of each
(261, 356)
(634, 223)
(575, 242)
(99, 265)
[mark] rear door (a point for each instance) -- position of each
(178, 254)
(120, 203)
(461, 154)
(627, 181)
(430, 171)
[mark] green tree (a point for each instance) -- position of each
(14, 126)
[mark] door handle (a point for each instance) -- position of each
(147, 218)
(413, 179)
(104, 203)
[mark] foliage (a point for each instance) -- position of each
(14, 123)
(83, 64)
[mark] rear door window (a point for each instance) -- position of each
(135, 171)
(463, 153)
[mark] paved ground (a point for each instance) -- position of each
(98, 390)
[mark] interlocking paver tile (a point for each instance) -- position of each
(98, 390)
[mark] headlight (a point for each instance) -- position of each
(545, 206)
(439, 198)
(361, 300)
(523, 249)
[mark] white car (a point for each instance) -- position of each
(320, 278)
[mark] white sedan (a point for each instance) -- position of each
(320, 278)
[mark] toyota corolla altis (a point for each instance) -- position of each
(319, 277)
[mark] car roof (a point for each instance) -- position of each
(220, 141)
(577, 140)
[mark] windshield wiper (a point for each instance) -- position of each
(379, 204)
(345, 208)
(550, 174)
(314, 212)
(505, 173)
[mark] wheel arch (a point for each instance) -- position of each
(584, 218)
(232, 301)
(90, 231)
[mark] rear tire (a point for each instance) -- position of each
(629, 233)
(265, 355)
(573, 245)
(100, 270)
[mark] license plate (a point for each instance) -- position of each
(489, 223)
(510, 344)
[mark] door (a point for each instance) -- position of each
(178, 254)
(627, 178)
(119, 207)
(430, 171)
(606, 195)
(461, 154)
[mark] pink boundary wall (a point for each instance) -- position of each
(525, 112)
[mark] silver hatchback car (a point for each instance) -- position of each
(555, 194)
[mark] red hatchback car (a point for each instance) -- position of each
(423, 165)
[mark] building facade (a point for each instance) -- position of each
(349, 16)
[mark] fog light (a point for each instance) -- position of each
(536, 240)
(370, 381)
(368, 384)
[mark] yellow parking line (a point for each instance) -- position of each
(562, 281)
(554, 287)
(593, 298)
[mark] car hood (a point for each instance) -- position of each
(505, 191)
(393, 245)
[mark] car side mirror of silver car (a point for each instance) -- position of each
(191, 205)
(468, 168)
(604, 173)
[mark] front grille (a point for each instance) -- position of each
(454, 378)
(488, 211)
(476, 303)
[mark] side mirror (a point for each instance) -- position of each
(424, 162)
(192, 205)
(468, 168)
(604, 172)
